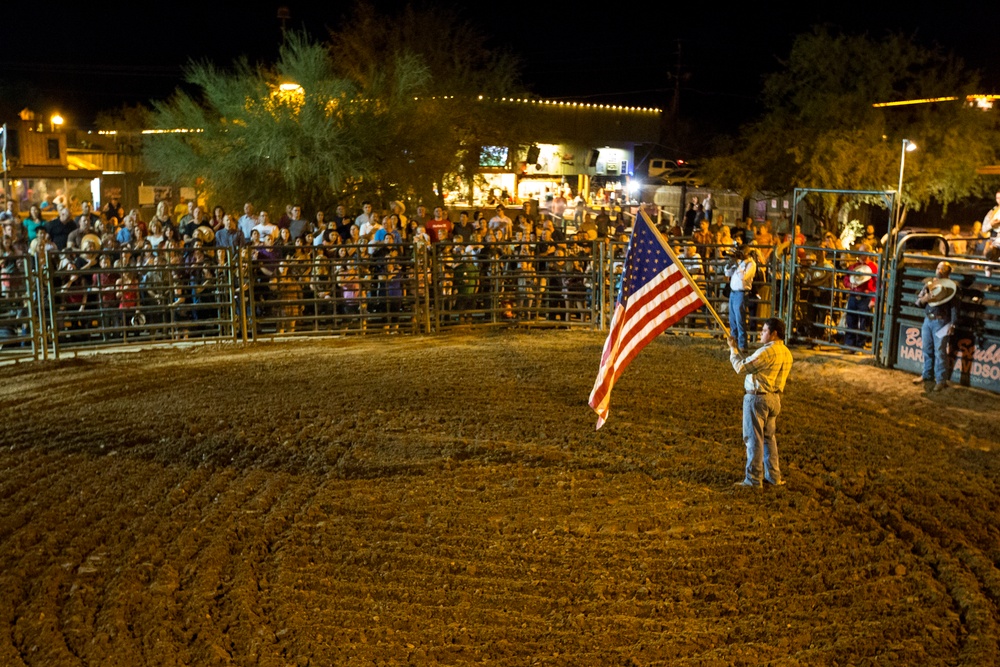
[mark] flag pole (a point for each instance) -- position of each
(680, 265)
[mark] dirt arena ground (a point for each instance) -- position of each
(446, 500)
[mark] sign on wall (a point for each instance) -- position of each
(973, 365)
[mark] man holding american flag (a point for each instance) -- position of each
(656, 292)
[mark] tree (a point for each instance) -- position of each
(443, 133)
(380, 112)
(291, 132)
(821, 130)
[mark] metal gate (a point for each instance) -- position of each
(343, 290)
(20, 334)
(517, 283)
(835, 298)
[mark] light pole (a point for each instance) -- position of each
(907, 147)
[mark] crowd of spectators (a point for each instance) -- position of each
(117, 270)
(517, 263)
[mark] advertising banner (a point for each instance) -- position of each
(973, 364)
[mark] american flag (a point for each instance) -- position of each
(656, 292)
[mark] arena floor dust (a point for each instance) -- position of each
(446, 500)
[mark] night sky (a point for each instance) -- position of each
(86, 57)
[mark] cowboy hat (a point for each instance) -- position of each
(940, 291)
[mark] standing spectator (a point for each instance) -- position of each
(187, 216)
(399, 208)
(861, 282)
(530, 212)
(558, 208)
(703, 238)
(33, 222)
(343, 226)
(740, 269)
(319, 227)
(86, 212)
(708, 207)
(692, 216)
(338, 216)
(393, 288)
(363, 221)
(956, 245)
(183, 207)
(940, 317)
(421, 216)
(464, 228)
(296, 225)
(440, 228)
(265, 229)
(248, 220)
(602, 223)
(218, 221)
(501, 221)
(127, 292)
(286, 218)
(231, 236)
(104, 283)
(991, 226)
(188, 228)
(978, 244)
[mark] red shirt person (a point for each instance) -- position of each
(439, 229)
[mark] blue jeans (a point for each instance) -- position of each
(760, 413)
(859, 304)
(935, 350)
(738, 317)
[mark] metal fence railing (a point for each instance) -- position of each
(123, 297)
(834, 297)
(73, 300)
(344, 290)
(19, 322)
(522, 283)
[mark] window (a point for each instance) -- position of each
(53, 149)
(493, 156)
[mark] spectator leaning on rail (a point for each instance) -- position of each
(766, 372)
(940, 316)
